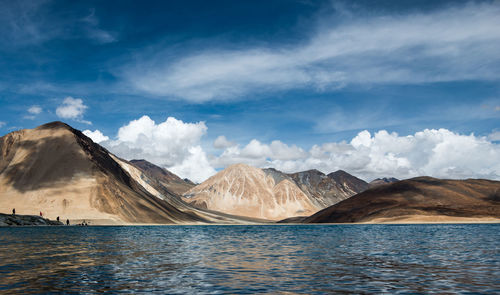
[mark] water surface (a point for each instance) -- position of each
(251, 259)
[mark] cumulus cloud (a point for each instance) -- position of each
(172, 144)
(35, 110)
(176, 145)
(259, 154)
(494, 136)
(456, 43)
(439, 153)
(72, 108)
(96, 135)
(221, 142)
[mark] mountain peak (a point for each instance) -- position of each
(54, 125)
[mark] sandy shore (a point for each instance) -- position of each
(395, 220)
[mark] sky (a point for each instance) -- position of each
(375, 88)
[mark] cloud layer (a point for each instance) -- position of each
(457, 43)
(176, 145)
(439, 153)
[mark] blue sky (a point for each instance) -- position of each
(302, 73)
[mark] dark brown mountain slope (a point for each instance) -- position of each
(418, 199)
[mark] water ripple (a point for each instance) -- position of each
(251, 259)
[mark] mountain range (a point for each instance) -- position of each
(57, 170)
(271, 194)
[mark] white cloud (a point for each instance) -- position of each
(172, 144)
(72, 108)
(176, 145)
(457, 43)
(195, 166)
(439, 153)
(221, 142)
(35, 110)
(96, 135)
(494, 136)
(2, 124)
(259, 154)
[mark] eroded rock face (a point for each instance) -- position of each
(248, 191)
(326, 190)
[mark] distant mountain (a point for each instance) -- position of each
(418, 199)
(248, 191)
(271, 194)
(382, 181)
(324, 190)
(59, 171)
(167, 181)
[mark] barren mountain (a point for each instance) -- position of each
(382, 181)
(248, 191)
(168, 181)
(422, 199)
(326, 190)
(59, 171)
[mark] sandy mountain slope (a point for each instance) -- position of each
(421, 199)
(248, 191)
(59, 171)
(163, 178)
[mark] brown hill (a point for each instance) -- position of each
(58, 170)
(418, 199)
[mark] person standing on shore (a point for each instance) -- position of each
(67, 221)
(41, 215)
(57, 218)
(13, 211)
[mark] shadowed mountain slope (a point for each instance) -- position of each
(417, 199)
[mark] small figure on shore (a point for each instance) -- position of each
(67, 221)
(14, 211)
(41, 215)
(57, 218)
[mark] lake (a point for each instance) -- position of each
(216, 259)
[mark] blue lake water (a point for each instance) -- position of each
(252, 259)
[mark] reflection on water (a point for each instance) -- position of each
(251, 259)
